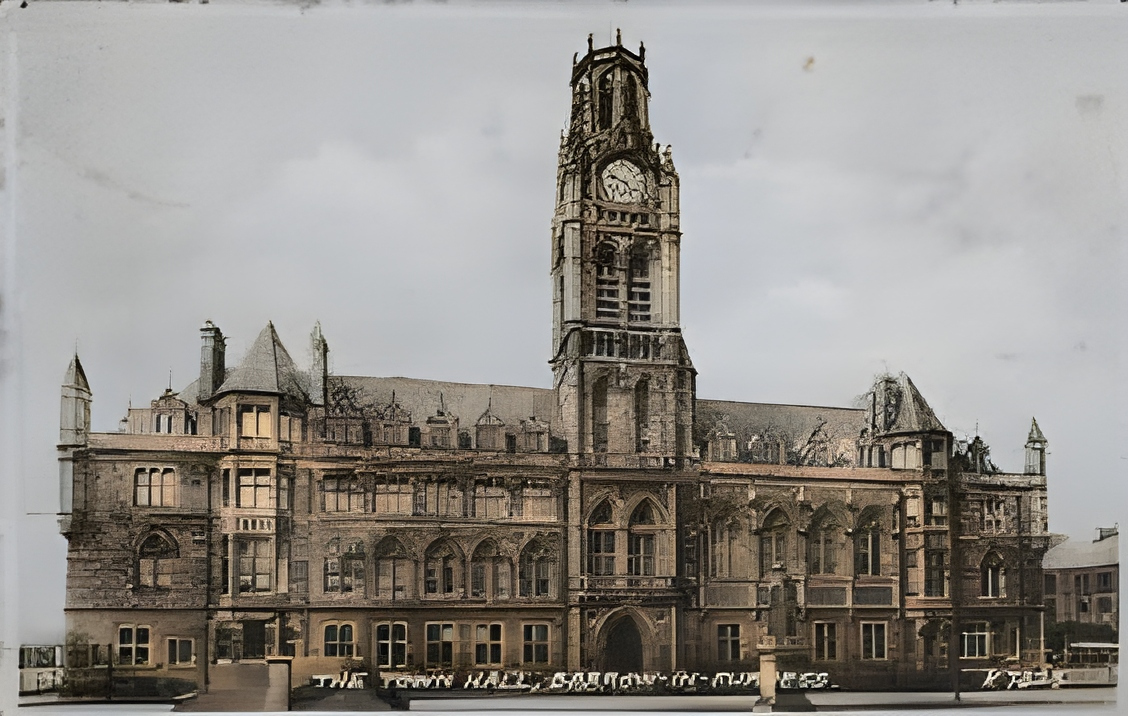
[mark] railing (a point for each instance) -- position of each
(593, 583)
(625, 461)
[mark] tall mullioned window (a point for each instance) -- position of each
(873, 640)
(638, 292)
(867, 545)
(342, 494)
(254, 487)
(487, 644)
(154, 487)
(826, 641)
(535, 644)
(440, 645)
(255, 559)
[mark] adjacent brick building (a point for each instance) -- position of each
(614, 521)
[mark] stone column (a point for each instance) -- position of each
(767, 698)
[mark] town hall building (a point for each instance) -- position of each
(613, 521)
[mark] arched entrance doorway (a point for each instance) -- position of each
(623, 646)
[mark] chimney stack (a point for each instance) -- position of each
(212, 368)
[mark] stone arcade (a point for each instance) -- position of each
(612, 522)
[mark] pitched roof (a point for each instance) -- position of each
(76, 376)
(467, 401)
(748, 421)
(913, 414)
(1072, 554)
(267, 368)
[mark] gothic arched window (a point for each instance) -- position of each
(344, 569)
(443, 574)
(537, 570)
(395, 573)
(825, 537)
(606, 98)
(154, 561)
(601, 541)
(641, 541)
(992, 576)
(773, 541)
(867, 545)
(638, 296)
(489, 572)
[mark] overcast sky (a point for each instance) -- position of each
(933, 189)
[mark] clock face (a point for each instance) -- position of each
(623, 182)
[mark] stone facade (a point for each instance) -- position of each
(612, 522)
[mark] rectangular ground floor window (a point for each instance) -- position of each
(873, 640)
(440, 645)
(826, 641)
(536, 644)
(391, 644)
(133, 644)
(180, 651)
(487, 644)
(975, 642)
(339, 640)
(728, 642)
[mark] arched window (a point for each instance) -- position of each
(773, 541)
(344, 569)
(154, 561)
(601, 541)
(867, 545)
(537, 570)
(823, 544)
(606, 285)
(489, 572)
(638, 296)
(443, 576)
(339, 640)
(606, 97)
(640, 541)
(394, 571)
(630, 97)
(992, 576)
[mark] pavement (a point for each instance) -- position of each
(243, 687)
(1101, 700)
(832, 701)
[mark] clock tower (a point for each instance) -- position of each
(623, 377)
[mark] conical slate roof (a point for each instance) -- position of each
(76, 376)
(267, 368)
(1035, 435)
(914, 414)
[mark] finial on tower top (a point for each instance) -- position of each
(575, 57)
(618, 37)
(641, 51)
(590, 46)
